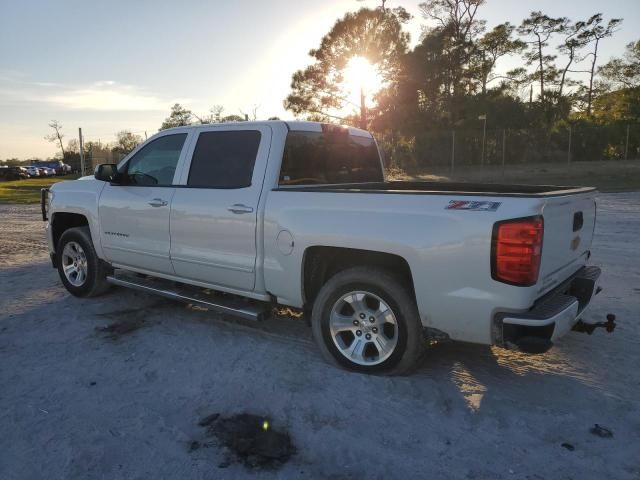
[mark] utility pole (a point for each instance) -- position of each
(363, 110)
(626, 145)
(453, 152)
(81, 141)
(504, 149)
(145, 135)
(484, 136)
(569, 149)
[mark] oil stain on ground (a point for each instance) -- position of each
(251, 438)
(126, 321)
(116, 330)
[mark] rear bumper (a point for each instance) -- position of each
(551, 317)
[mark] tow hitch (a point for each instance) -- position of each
(609, 325)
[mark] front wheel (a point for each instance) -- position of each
(81, 271)
(364, 319)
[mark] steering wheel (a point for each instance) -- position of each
(152, 180)
(302, 181)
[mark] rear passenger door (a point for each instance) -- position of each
(214, 210)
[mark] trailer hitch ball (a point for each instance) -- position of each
(609, 325)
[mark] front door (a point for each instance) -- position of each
(134, 215)
(214, 214)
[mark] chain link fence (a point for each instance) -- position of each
(96, 156)
(500, 154)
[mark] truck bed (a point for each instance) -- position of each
(442, 188)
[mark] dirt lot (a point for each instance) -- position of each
(78, 401)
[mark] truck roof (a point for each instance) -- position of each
(293, 125)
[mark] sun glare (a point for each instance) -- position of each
(359, 75)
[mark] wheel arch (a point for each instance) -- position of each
(63, 221)
(320, 263)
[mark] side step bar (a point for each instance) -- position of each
(192, 295)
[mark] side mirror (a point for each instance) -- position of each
(106, 172)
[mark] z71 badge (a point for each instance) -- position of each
(471, 205)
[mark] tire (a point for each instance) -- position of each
(377, 295)
(80, 257)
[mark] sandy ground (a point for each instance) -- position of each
(79, 403)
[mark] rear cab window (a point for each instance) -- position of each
(329, 157)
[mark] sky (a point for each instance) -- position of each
(113, 65)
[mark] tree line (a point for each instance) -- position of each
(126, 140)
(454, 77)
(69, 150)
(181, 116)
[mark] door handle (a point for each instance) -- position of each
(158, 202)
(239, 208)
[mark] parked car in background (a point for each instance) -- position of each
(33, 171)
(58, 166)
(14, 173)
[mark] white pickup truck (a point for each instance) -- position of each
(240, 217)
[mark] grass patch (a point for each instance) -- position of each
(28, 191)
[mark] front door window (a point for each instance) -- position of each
(155, 164)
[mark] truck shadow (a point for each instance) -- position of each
(493, 381)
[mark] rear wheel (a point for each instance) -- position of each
(81, 271)
(364, 319)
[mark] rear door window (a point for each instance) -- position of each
(224, 159)
(333, 157)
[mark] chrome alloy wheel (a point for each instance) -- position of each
(363, 328)
(74, 264)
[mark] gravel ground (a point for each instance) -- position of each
(80, 402)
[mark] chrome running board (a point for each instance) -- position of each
(221, 303)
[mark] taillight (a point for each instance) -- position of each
(516, 251)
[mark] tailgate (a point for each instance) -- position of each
(568, 230)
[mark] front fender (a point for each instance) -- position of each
(80, 197)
